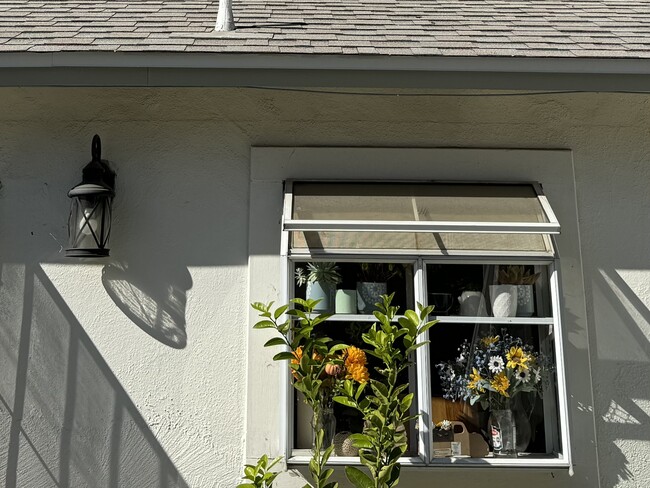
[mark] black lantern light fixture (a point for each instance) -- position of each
(89, 224)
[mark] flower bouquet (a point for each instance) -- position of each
(493, 372)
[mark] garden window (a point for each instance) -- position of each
(449, 245)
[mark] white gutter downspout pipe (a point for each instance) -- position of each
(225, 20)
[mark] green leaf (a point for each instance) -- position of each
(264, 324)
(338, 347)
(358, 478)
(344, 401)
(406, 402)
(362, 441)
(380, 390)
(245, 485)
(280, 311)
(276, 341)
(281, 356)
(393, 479)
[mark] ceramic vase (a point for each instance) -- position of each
(346, 301)
(525, 302)
(368, 294)
(504, 300)
(325, 292)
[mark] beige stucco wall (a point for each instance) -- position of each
(133, 372)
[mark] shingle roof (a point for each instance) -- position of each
(528, 28)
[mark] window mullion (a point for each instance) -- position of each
(563, 405)
(423, 371)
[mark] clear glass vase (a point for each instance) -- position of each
(503, 432)
(323, 418)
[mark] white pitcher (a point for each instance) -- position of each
(472, 303)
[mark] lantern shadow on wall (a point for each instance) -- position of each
(154, 297)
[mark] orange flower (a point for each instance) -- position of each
(358, 372)
(354, 355)
(297, 356)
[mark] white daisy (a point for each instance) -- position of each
(523, 375)
(495, 364)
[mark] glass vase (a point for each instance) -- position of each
(323, 418)
(503, 432)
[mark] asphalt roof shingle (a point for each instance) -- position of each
(545, 28)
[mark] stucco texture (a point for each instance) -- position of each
(131, 372)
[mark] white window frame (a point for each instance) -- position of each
(272, 166)
(419, 261)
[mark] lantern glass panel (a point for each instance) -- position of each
(90, 222)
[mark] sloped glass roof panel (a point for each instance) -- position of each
(419, 217)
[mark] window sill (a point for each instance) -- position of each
(303, 456)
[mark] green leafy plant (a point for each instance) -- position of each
(318, 272)
(315, 366)
(385, 408)
(517, 275)
(260, 475)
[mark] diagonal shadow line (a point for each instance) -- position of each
(31, 444)
(634, 301)
(114, 468)
(81, 338)
(69, 408)
(21, 379)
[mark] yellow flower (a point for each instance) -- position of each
(489, 340)
(500, 383)
(354, 355)
(517, 358)
(358, 372)
(474, 379)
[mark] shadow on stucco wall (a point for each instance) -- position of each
(55, 381)
(153, 296)
(621, 372)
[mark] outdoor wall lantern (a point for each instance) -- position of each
(89, 224)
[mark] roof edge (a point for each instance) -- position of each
(371, 71)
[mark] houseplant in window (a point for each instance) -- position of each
(494, 372)
(372, 283)
(524, 280)
(316, 368)
(321, 279)
(382, 400)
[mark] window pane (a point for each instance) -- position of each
(417, 202)
(481, 290)
(353, 287)
(535, 415)
(349, 420)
